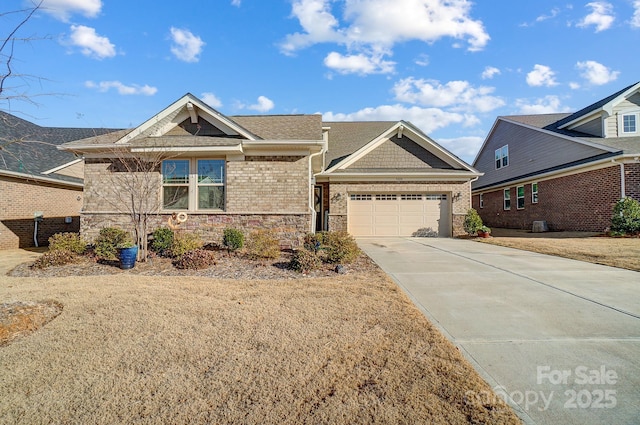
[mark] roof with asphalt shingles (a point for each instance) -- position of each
(346, 138)
(30, 149)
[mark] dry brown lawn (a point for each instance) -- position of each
(594, 248)
(174, 349)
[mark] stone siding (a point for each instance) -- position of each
(19, 199)
(578, 202)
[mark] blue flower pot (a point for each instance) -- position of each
(128, 257)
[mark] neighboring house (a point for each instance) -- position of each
(38, 179)
(566, 169)
(293, 174)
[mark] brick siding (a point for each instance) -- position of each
(19, 199)
(578, 202)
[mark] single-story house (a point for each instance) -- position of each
(566, 169)
(40, 186)
(294, 174)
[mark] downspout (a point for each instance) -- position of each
(623, 193)
(312, 184)
(35, 233)
(471, 197)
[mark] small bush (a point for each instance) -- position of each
(626, 216)
(304, 261)
(69, 242)
(340, 247)
(108, 241)
(195, 260)
(162, 240)
(59, 257)
(313, 241)
(263, 244)
(183, 243)
(232, 239)
(472, 222)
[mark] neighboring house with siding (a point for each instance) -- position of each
(566, 169)
(36, 177)
(293, 174)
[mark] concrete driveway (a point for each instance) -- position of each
(558, 338)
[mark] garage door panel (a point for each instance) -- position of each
(398, 215)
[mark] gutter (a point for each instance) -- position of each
(622, 181)
(312, 179)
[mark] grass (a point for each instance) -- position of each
(611, 251)
(142, 349)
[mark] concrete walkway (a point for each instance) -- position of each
(558, 338)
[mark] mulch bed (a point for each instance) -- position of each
(227, 267)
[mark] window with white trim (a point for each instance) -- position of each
(359, 197)
(384, 197)
(534, 193)
(481, 201)
(502, 157)
(507, 199)
(193, 184)
(520, 197)
(629, 123)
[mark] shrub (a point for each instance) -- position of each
(263, 244)
(109, 240)
(67, 241)
(162, 240)
(195, 260)
(313, 241)
(304, 261)
(58, 257)
(185, 242)
(472, 222)
(232, 239)
(340, 247)
(626, 216)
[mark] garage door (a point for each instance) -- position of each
(398, 214)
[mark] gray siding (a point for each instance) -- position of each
(632, 104)
(401, 153)
(530, 151)
(593, 127)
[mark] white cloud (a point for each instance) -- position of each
(554, 12)
(264, 104)
(186, 46)
(211, 100)
(541, 75)
(236, 3)
(358, 64)
(377, 25)
(422, 60)
(574, 86)
(465, 147)
(601, 16)
(457, 95)
(104, 86)
(635, 20)
(546, 105)
(91, 43)
(490, 72)
(427, 119)
(63, 9)
(596, 73)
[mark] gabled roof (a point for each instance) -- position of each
(282, 127)
(598, 107)
(353, 141)
(29, 150)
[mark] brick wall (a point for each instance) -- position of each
(579, 202)
(338, 219)
(632, 180)
(19, 199)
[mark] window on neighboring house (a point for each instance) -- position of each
(520, 197)
(629, 123)
(507, 199)
(481, 201)
(193, 184)
(502, 157)
(534, 193)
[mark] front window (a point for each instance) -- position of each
(520, 194)
(193, 184)
(534, 193)
(507, 199)
(502, 157)
(481, 201)
(629, 123)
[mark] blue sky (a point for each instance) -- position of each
(449, 67)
